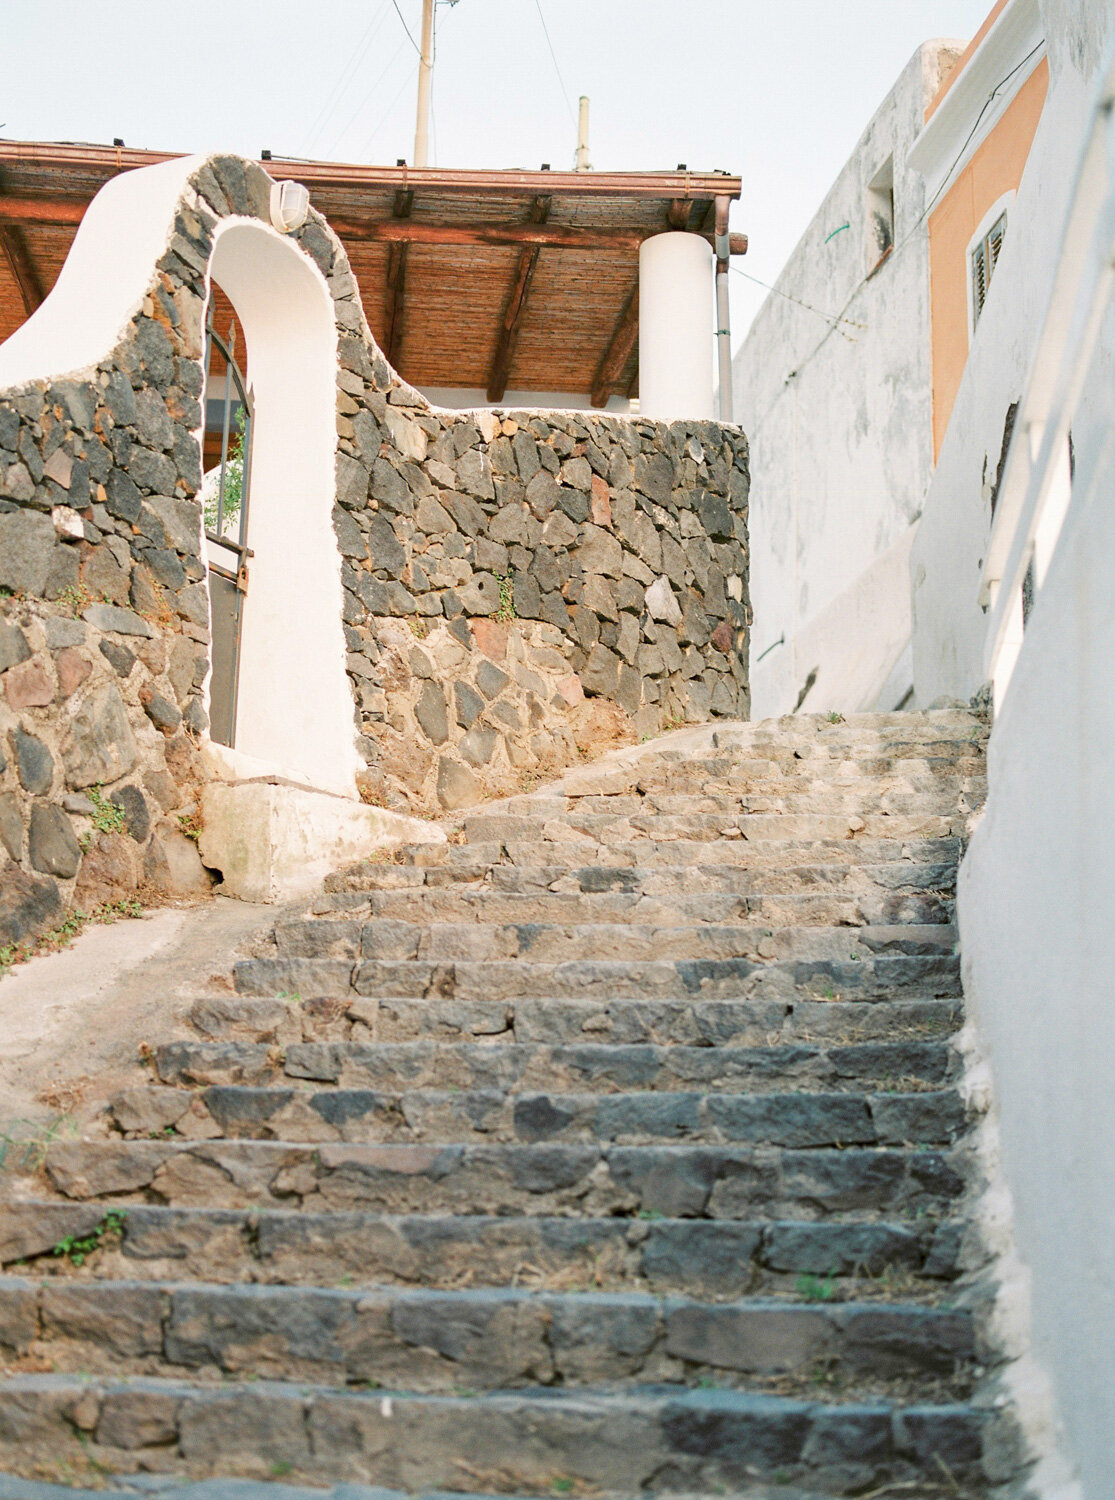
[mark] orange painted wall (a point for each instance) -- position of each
(995, 169)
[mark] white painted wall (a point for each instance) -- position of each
(295, 708)
(949, 627)
(1037, 920)
(839, 421)
(1037, 889)
(676, 327)
(105, 278)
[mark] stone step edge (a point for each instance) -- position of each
(684, 1420)
(817, 1257)
(930, 1116)
(364, 1333)
(164, 1488)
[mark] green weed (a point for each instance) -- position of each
(817, 1288)
(506, 610)
(76, 598)
(77, 1248)
(106, 817)
(63, 935)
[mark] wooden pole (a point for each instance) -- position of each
(583, 163)
(425, 75)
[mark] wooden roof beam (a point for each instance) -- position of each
(547, 236)
(395, 230)
(619, 349)
(515, 307)
(42, 210)
(17, 253)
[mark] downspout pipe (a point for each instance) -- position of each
(722, 246)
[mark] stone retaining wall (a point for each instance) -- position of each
(104, 616)
(627, 540)
(517, 585)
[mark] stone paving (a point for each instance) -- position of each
(618, 1145)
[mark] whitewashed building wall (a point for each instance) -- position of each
(839, 418)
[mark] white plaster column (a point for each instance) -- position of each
(675, 327)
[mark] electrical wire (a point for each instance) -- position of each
(557, 69)
(347, 75)
(410, 78)
(967, 139)
(828, 317)
(406, 28)
(359, 110)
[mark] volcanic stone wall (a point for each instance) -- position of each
(104, 618)
(612, 553)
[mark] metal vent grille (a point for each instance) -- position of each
(985, 257)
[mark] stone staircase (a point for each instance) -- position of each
(615, 1146)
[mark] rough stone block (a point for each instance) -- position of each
(432, 713)
(99, 746)
(481, 595)
(26, 550)
(11, 825)
(13, 646)
(468, 704)
(489, 678)
(51, 845)
(600, 674)
(34, 762)
(457, 787)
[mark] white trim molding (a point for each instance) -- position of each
(943, 149)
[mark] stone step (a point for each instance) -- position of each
(487, 1339)
(878, 976)
(703, 1257)
(224, 1488)
(781, 740)
(958, 726)
(406, 882)
(868, 822)
(533, 1443)
(787, 768)
(455, 905)
(722, 1182)
(446, 864)
(904, 786)
(713, 808)
(538, 1067)
(629, 942)
(232, 1111)
(705, 1024)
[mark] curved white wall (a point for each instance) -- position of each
(676, 327)
(105, 278)
(295, 708)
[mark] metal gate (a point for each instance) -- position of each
(227, 446)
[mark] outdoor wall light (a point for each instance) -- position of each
(290, 203)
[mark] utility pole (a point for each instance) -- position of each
(583, 163)
(425, 75)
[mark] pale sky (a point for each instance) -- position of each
(776, 92)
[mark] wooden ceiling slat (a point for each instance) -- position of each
(446, 316)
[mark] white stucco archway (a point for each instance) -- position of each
(294, 710)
